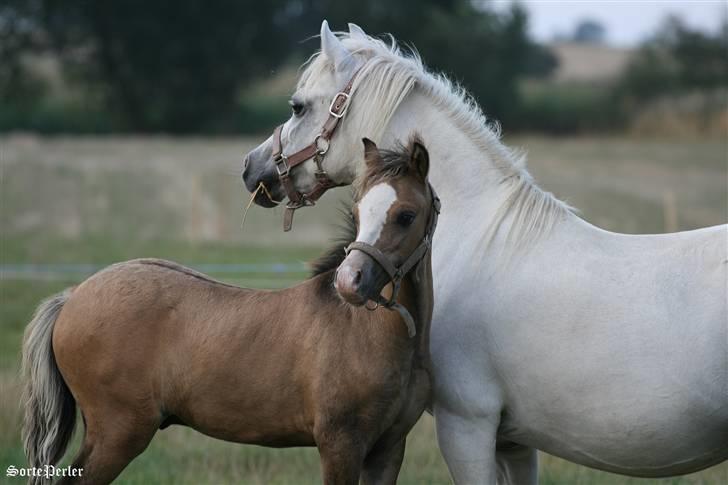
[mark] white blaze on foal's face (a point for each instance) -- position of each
(373, 208)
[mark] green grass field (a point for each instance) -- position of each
(102, 200)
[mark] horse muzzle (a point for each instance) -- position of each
(257, 173)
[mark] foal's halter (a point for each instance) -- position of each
(316, 150)
(397, 273)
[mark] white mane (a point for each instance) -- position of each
(386, 77)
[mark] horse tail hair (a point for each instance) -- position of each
(50, 409)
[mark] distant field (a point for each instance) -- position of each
(101, 200)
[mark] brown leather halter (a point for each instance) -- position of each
(397, 273)
(316, 151)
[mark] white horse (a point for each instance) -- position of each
(608, 350)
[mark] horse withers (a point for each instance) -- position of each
(148, 343)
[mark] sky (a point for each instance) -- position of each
(627, 22)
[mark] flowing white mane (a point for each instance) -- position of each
(388, 74)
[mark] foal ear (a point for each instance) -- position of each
(419, 158)
(371, 153)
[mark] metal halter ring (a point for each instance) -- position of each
(282, 159)
(327, 143)
(369, 307)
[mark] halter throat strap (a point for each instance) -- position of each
(397, 273)
(315, 150)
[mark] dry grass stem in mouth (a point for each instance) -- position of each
(267, 193)
(261, 186)
(250, 202)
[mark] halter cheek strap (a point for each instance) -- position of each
(316, 150)
(397, 273)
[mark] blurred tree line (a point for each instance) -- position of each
(675, 83)
(678, 59)
(178, 66)
(181, 66)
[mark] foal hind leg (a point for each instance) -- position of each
(109, 445)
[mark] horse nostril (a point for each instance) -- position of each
(357, 277)
(246, 161)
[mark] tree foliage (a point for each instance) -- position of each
(179, 65)
(485, 50)
(677, 59)
(20, 34)
(166, 65)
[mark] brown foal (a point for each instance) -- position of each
(145, 344)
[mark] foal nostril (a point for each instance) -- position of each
(347, 284)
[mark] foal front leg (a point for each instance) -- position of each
(341, 459)
(382, 465)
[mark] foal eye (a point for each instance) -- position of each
(297, 108)
(404, 219)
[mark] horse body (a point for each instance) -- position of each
(608, 350)
(630, 388)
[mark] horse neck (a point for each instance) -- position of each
(468, 174)
(456, 160)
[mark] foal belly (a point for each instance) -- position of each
(271, 434)
(251, 416)
(243, 389)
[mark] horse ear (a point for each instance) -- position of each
(356, 31)
(371, 153)
(334, 50)
(419, 158)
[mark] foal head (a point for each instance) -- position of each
(393, 212)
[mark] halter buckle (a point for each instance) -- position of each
(282, 160)
(339, 113)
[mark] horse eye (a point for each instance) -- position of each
(406, 218)
(297, 108)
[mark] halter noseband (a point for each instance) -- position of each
(316, 150)
(397, 273)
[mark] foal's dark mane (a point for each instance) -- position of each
(334, 256)
(394, 163)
